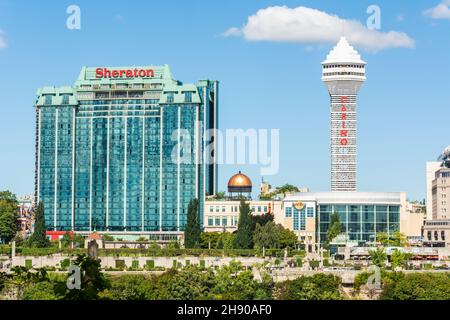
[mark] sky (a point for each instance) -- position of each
(267, 56)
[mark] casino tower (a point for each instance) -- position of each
(343, 75)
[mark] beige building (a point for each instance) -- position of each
(436, 231)
(412, 221)
(440, 190)
(432, 167)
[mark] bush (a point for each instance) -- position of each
(314, 264)
(135, 264)
(40, 291)
(28, 263)
(150, 265)
(120, 264)
(65, 264)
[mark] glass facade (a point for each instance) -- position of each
(111, 154)
(360, 222)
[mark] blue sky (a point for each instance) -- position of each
(403, 111)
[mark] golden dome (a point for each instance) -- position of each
(239, 180)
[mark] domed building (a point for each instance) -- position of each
(239, 186)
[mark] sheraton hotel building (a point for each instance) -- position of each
(108, 155)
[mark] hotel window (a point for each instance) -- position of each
(65, 99)
(217, 221)
(265, 209)
(310, 212)
(211, 209)
(170, 97)
(223, 208)
(48, 100)
(259, 208)
(443, 235)
(288, 212)
(217, 209)
(188, 96)
(224, 221)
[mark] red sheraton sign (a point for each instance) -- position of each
(344, 131)
(127, 73)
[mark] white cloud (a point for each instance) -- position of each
(441, 11)
(2, 40)
(311, 26)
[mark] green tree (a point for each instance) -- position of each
(72, 238)
(395, 239)
(273, 236)
(130, 287)
(233, 283)
(208, 239)
(262, 219)
(191, 283)
(92, 280)
(417, 286)
(243, 238)
(333, 231)
(8, 216)
(220, 195)
(44, 290)
(192, 229)
(39, 238)
(318, 287)
(286, 188)
(378, 257)
(399, 259)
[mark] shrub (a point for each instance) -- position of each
(135, 264)
(120, 264)
(65, 264)
(28, 263)
(150, 264)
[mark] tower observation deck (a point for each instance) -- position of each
(343, 75)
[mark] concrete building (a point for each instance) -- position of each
(413, 221)
(343, 75)
(436, 231)
(432, 167)
(440, 190)
(362, 214)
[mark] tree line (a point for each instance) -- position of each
(253, 232)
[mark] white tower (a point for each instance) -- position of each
(343, 75)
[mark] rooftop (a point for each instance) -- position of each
(343, 52)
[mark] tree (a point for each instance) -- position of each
(378, 257)
(318, 287)
(262, 219)
(8, 216)
(220, 195)
(209, 239)
(395, 239)
(232, 283)
(417, 286)
(244, 235)
(285, 189)
(39, 238)
(129, 287)
(399, 259)
(92, 280)
(273, 236)
(333, 231)
(192, 229)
